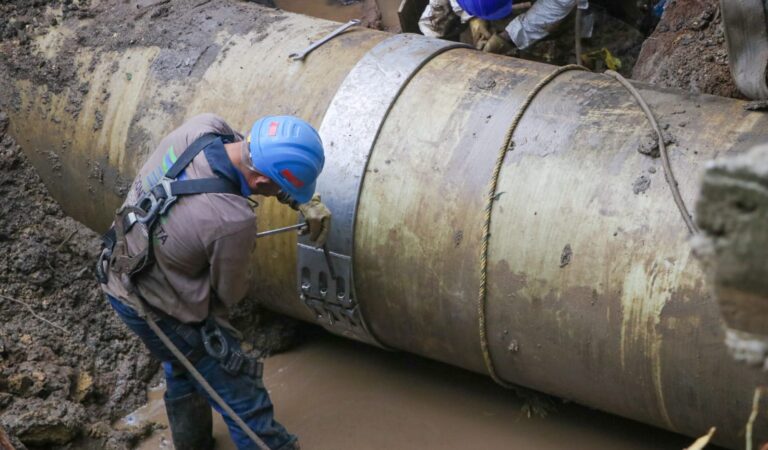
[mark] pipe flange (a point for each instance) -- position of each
(349, 131)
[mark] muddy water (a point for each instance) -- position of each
(339, 395)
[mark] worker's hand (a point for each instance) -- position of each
(481, 32)
(499, 45)
(318, 219)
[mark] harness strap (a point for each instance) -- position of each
(203, 185)
(151, 206)
(189, 154)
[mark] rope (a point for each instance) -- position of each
(199, 378)
(668, 175)
(481, 299)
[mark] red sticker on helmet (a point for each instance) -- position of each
(273, 128)
(292, 178)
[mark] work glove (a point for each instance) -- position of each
(318, 218)
(481, 32)
(499, 45)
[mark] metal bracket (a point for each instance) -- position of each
(331, 299)
(349, 131)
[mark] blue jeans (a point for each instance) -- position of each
(242, 393)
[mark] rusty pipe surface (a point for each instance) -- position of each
(623, 321)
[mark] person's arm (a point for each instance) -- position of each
(230, 265)
(536, 23)
(438, 19)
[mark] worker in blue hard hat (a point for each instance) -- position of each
(178, 256)
(443, 19)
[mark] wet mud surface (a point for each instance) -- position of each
(71, 367)
(337, 395)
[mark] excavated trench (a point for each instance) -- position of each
(71, 375)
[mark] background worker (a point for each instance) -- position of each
(199, 264)
(443, 19)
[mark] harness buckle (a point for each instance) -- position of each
(150, 206)
(254, 368)
(234, 363)
(156, 201)
(170, 199)
(215, 343)
(101, 265)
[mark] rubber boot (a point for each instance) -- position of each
(191, 422)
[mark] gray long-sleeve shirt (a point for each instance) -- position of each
(524, 30)
(202, 246)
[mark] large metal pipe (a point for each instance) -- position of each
(625, 323)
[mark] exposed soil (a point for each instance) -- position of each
(687, 50)
(72, 368)
(620, 38)
(58, 379)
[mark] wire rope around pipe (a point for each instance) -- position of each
(482, 296)
(507, 146)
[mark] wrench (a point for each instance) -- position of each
(298, 226)
(300, 56)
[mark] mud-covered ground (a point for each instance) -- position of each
(68, 366)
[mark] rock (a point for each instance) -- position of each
(83, 386)
(25, 384)
(649, 145)
(41, 379)
(37, 422)
(3, 122)
(30, 257)
(641, 184)
(5, 399)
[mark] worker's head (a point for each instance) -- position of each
(487, 9)
(283, 153)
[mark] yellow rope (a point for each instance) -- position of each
(668, 175)
(481, 300)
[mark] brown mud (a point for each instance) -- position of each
(687, 50)
(63, 379)
(71, 369)
(337, 395)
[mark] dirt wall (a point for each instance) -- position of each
(67, 365)
(687, 50)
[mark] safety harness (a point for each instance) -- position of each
(149, 208)
(145, 213)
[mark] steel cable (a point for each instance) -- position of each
(668, 175)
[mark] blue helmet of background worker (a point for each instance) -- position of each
(289, 151)
(487, 9)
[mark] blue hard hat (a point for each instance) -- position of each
(487, 9)
(289, 151)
